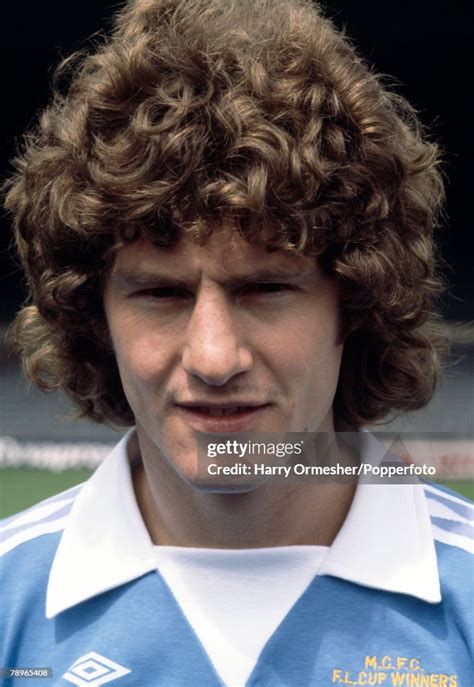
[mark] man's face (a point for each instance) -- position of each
(223, 337)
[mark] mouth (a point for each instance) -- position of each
(222, 418)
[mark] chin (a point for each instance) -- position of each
(225, 487)
(200, 479)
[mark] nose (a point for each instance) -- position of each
(215, 348)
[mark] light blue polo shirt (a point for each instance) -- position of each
(391, 603)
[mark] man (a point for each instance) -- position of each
(227, 228)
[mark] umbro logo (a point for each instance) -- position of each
(93, 669)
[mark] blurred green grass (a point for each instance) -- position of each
(465, 488)
(23, 487)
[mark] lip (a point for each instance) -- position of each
(241, 421)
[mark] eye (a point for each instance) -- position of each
(267, 288)
(162, 293)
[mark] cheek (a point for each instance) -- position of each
(313, 375)
(325, 353)
(314, 369)
(143, 359)
(307, 346)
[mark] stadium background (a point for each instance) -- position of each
(425, 47)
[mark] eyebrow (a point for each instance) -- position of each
(130, 278)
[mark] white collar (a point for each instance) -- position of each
(385, 542)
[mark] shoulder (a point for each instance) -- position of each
(452, 523)
(28, 543)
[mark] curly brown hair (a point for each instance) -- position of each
(256, 112)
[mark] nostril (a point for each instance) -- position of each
(215, 365)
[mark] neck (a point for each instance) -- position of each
(272, 514)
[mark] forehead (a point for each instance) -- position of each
(225, 254)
